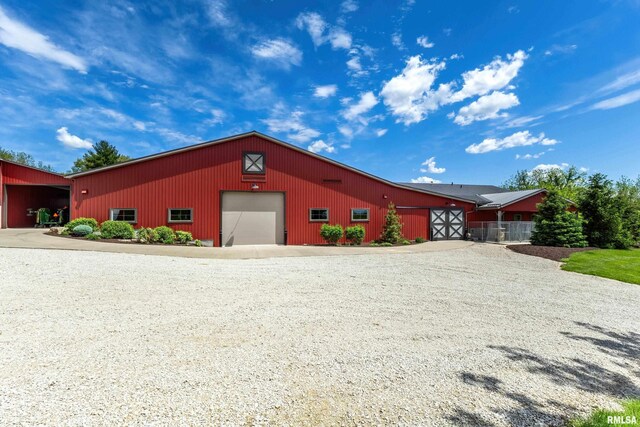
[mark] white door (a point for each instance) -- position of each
(252, 218)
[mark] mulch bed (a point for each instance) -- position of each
(548, 252)
(122, 241)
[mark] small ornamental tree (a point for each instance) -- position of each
(392, 230)
(555, 226)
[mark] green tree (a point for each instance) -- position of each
(603, 222)
(555, 226)
(568, 182)
(102, 154)
(24, 159)
(628, 203)
(392, 229)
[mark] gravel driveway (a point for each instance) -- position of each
(478, 336)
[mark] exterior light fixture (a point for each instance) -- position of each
(255, 186)
(84, 191)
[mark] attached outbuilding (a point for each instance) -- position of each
(24, 190)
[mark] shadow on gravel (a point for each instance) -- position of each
(578, 373)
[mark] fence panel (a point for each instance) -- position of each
(505, 231)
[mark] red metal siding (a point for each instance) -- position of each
(527, 208)
(194, 179)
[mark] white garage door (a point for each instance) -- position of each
(252, 218)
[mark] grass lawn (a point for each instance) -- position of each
(600, 418)
(623, 265)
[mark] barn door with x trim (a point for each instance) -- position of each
(447, 224)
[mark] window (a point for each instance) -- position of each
(359, 214)
(319, 214)
(180, 215)
(517, 217)
(253, 163)
(127, 215)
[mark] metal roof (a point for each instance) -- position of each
(498, 200)
(467, 191)
(274, 140)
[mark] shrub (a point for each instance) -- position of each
(183, 237)
(93, 236)
(331, 233)
(405, 242)
(146, 235)
(197, 243)
(420, 240)
(81, 230)
(355, 234)
(165, 235)
(374, 244)
(392, 230)
(555, 226)
(117, 230)
(386, 244)
(82, 221)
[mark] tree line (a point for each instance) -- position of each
(101, 154)
(608, 212)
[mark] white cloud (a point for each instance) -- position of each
(518, 139)
(177, 136)
(319, 146)
(621, 82)
(530, 156)
(346, 131)
(409, 95)
(548, 167)
(560, 49)
(425, 180)
(325, 91)
(292, 125)
(217, 117)
(456, 56)
(354, 112)
(139, 125)
(521, 121)
(396, 40)
(381, 132)
(431, 167)
(618, 101)
(494, 76)
(15, 34)
(322, 33)
(424, 42)
(486, 107)
(72, 141)
(348, 6)
(281, 51)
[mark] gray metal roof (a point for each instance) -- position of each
(473, 192)
(505, 198)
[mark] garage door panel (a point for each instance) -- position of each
(252, 218)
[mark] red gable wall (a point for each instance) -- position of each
(195, 178)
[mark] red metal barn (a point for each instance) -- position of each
(24, 189)
(253, 189)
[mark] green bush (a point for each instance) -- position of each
(555, 226)
(81, 230)
(93, 236)
(355, 234)
(117, 230)
(183, 237)
(420, 240)
(405, 242)
(386, 244)
(392, 230)
(331, 233)
(146, 235)
(82, 221)
(197, 243)
(165, 235)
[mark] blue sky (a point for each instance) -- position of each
(409, 90)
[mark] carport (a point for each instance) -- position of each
(24, 190)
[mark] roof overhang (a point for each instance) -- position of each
(492, 206)
(268, 138)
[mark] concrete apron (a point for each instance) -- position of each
(29, 238)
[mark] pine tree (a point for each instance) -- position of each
(102, 154)
(603, 223)
(392, 230)
(555, 226)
